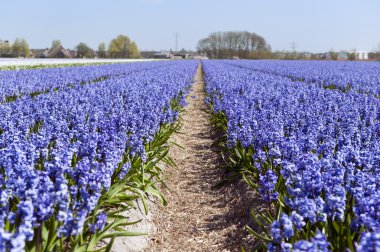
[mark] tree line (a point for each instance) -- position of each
(249, 45)
(218, 45)
(120, 47)
(241, 44)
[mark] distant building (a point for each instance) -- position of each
(37, 53)
(183, 54)
(162, 55)
(321, 56)
(280, 54)
(361, 55)
(342, 55)
(307, 55)
(147, 54)
(58, 52)
(346, 55)
(5, 48)
(5, 43)
(200, 56)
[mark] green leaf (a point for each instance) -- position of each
(109, 246)
(257, 235)
(258, 222)
(336, 226)
(249, 182)
(45, 231)
(159, 195)
(237, 153)
(268, 216)
(51, 241)
(81, 248)
(94, 240)
(125, 233)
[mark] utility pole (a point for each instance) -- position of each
(176, 35)
(294, 46)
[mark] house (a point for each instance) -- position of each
(5, 48)
(200, 56)
(163, 55)
(147, 54)
(5, 43)
(183, 54)
(58, 52)
(321, 56)
(36, 53)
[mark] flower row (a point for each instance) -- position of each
(31, 82)
(362, 77)
(313, 155)
(62, 153)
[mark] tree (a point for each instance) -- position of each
(123, 47)
(375, 54)
(234, 44)
(102, 50)
(56, 43)
(134, 51)
(333, 55)
(20, 48)
(84, 51)
(351, 56)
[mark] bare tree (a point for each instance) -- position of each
(102, 50)
(232, 44)
(55, 44)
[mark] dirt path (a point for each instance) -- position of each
(199, 216)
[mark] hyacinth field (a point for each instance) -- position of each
(78, 145)
(306, 137)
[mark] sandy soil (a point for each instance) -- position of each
(146, 225)
(200, 216)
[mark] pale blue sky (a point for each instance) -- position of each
(315, 26)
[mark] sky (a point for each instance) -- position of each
(314, 26)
